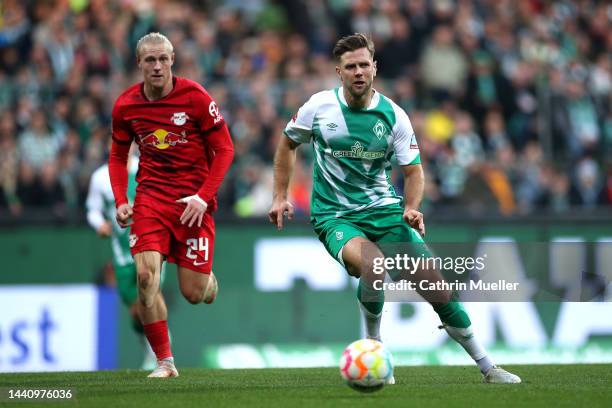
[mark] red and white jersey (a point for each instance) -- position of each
(171, 132)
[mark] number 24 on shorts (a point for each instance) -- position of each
(197, 244)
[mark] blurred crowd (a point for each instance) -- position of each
(510, 99)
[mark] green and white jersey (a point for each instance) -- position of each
(100, 206)
(352, 151)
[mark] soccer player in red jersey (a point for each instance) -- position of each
(185, 151)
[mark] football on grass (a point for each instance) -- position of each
(366, 365)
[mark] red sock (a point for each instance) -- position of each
(157, 334)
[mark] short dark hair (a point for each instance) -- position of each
(351, 43)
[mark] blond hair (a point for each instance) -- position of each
(153, 38)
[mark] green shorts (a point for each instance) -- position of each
(127, 282)
(379, 225)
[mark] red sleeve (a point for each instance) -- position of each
(117, 169)
(209, 114)
(120, 132)
(117, 161)
(220, 142)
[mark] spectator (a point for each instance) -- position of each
(443, 66)
(400, 53)
(495, 136)
(9, 164)
(484, 83)
(587, 190)
(37, 145)
(577, 120)
(466, 142)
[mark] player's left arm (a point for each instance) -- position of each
(414, 185)
(409, 158)
(219, 140)
(217, 137)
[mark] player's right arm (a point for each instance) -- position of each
(95, 204)
(117, 165)
(284, 161)
(297, 131)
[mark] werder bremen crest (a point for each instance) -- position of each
(379, 129)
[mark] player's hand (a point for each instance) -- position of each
(194, 212)
(105, 230)
(279, 209)
(414, 218)
(124, 215)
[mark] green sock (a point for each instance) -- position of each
(374, 299)
(453, 314)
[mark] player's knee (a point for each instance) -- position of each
(353, 270)
(146, 267)
(367, 267)
(145, 278)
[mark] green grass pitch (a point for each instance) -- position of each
(543, 386)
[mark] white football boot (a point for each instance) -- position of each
(165, 369)
(497, 375)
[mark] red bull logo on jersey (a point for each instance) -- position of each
(162, 139)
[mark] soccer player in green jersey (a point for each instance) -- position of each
(100, 207)
(355, 131)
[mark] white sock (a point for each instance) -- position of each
(485, 364)
(372, 322)
(467, 340)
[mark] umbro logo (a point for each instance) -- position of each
(332, 126)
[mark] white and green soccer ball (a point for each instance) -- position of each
(366, 365)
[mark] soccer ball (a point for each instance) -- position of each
(366, 365)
